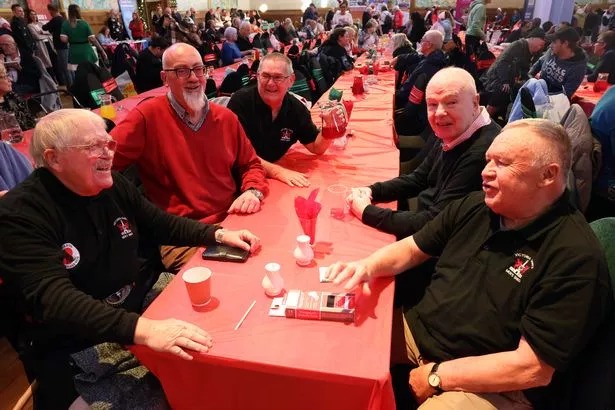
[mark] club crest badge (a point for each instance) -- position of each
(286, 134)
(521, 265)
(71, 255)
(123, 227)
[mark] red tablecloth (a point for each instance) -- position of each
(586, 97)
(279, 363)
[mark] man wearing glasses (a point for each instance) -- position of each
(274, 120)
(69, 258)
(193, 157)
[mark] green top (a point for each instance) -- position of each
(80, 49)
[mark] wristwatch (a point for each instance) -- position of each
(256, 193)
(434, 380)
(219, 235)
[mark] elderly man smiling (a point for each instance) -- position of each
(69, 256)
(193, 157)
(520, 287)
(275, 120)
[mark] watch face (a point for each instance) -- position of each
(434, 380)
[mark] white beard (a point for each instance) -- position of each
(195, 100)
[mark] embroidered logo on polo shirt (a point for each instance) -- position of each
(286, 134)
(521, 265)
(123, 226)
(71, 255)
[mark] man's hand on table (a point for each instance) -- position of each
(358, 200)
(172, 336)
(246, 203)
(291, 178)
(419, 384)
(2, 193)
(356, 273)
(243, 239)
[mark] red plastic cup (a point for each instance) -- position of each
(198, 284)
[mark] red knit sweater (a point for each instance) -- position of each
(184, 172)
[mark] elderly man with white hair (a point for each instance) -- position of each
(410, 110)
(520, 288)
(194, 158)
(243, 39)
(69, 257)
(230, 51)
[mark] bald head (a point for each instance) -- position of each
(453, 77)
(452, 103)
(178, 51)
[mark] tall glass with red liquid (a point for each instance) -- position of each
(334, 119)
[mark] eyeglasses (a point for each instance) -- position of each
(96, 149)
(185, 72)
(275, 78)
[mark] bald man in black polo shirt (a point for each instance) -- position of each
(274, 120)
(520, 288)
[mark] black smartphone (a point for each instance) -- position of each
(225, 253)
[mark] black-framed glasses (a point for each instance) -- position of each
(97, 148)
(184, 72)
(275, 78)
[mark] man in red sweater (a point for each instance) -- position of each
(193, 157)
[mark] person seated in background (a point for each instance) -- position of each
(14, 167)
(509, 71)
(21, 68)
(193, 157)
(452, 166)
(19, 30)
(211, 33)
(104, 36)
(230, 52)
(335, 47)
(243, 38)
(605, 49)
(69, 257)
(13, 104)
(401, 45)
(410, 115)
(290, 29)
(367, 36)
(279, 30)
(274, 120)
(520, 290)
(149, 65)
(563, 65)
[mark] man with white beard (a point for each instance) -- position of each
(192, 156)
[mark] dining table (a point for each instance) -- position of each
(268, 362)
(276, 362)
(587, 97)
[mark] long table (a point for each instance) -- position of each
(280, 363)
(586, 97)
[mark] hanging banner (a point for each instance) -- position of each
(127, 7)
(40, 6)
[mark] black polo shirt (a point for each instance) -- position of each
(271, 139)
(547, 282)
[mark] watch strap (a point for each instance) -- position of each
(256, 193)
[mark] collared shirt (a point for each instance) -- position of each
(185, 116)
(479, 122)
(272, 138)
